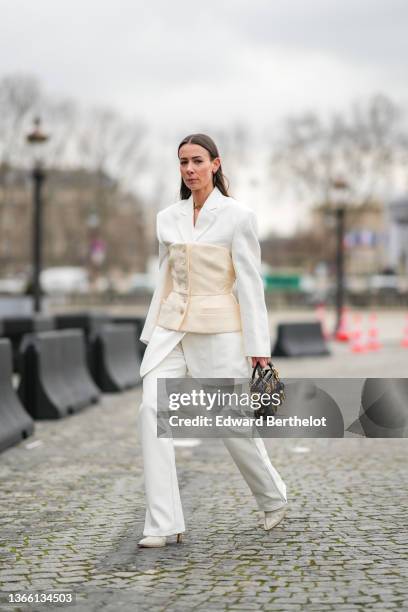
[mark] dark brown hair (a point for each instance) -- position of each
(219, 178)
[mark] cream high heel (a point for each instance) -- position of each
(274, 517)
(157, 541)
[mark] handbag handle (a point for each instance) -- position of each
(258, 369)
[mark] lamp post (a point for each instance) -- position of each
(36, 139)
(339, 194)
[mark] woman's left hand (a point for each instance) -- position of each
(263, 361)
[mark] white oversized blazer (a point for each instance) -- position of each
(223, 222)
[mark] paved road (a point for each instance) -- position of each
(72, 514)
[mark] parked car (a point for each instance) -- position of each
(141, 283)
(13, 286)
(65, 279)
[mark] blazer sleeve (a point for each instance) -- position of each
(246, 258)
(162, 289)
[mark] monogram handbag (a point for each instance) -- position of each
(267, 381)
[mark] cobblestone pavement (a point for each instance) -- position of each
(72, 512)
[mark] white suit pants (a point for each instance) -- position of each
(199, 355)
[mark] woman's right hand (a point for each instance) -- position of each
(263, 361)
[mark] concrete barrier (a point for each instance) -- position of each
(90, 323)
(55, 380)
(15, 423)
(76, 368)
(300, 340)
(138, 322)
(15, 327)
(117, 358)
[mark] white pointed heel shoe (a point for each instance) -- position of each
(157, 541)
(274, 517)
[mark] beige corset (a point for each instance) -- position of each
(201, 278)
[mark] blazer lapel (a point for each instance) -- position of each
(185, 220)
(205, 220)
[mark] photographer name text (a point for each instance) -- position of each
(231, 421)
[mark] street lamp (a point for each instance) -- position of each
(338, 200)
(36, 139)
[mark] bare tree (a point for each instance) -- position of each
(107, 143)
(235, 148)
(61, 118)
(97, 140)
(362, 146)
(20, 96)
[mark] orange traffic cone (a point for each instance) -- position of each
(343, 333)
(373, 343)
(357, 345)
(404, 341)
(321, 315)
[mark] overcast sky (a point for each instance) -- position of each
(186, 66)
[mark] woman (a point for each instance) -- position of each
(207, 244)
